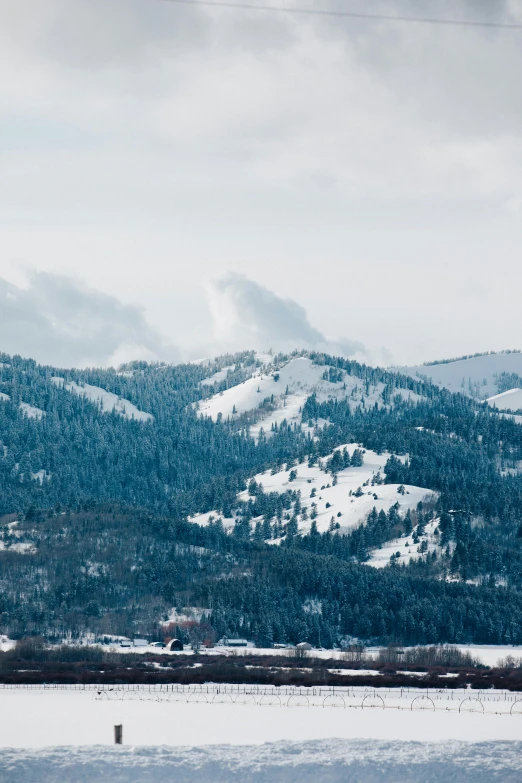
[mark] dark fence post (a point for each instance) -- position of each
(118, 735)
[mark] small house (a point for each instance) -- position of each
(125, 643)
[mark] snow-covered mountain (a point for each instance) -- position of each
(479, 377)
(278, 391)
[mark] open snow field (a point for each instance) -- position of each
(66, 735)
(45, 718)
(37, 717)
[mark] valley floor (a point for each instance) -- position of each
(46, 718)
(67, 735)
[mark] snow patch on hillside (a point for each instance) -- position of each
(405, 548)
(509, 400)
(218, 376)
(40, 476)
(22, 547)
(329, 500)
(105, 400)
(31, 412)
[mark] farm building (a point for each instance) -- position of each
(175, 645)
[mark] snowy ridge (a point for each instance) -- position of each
(283, 391)
(348, 502)
(475, 377)
(106, 401)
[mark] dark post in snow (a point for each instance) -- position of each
(118, 735)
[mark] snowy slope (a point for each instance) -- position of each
(508, 400)
(282, 391)
(405, 548)
(218, 376)
(30, 411)
(106, 401)
(475, 377)
(341, 497)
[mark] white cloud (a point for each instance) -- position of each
(248, 315)
(370, 168)
(59, 321)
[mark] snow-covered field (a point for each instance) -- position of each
(51, 736)
(330, 499)
(46, 718)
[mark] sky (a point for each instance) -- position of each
(178, 181)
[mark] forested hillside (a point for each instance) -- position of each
(101, 469)
(61, 446)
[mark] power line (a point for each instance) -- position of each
(349, 14)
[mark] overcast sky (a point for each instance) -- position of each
(176, 181)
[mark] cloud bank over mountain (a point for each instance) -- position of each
(57, 320)
(247, 314)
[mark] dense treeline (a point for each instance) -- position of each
(117, 571)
